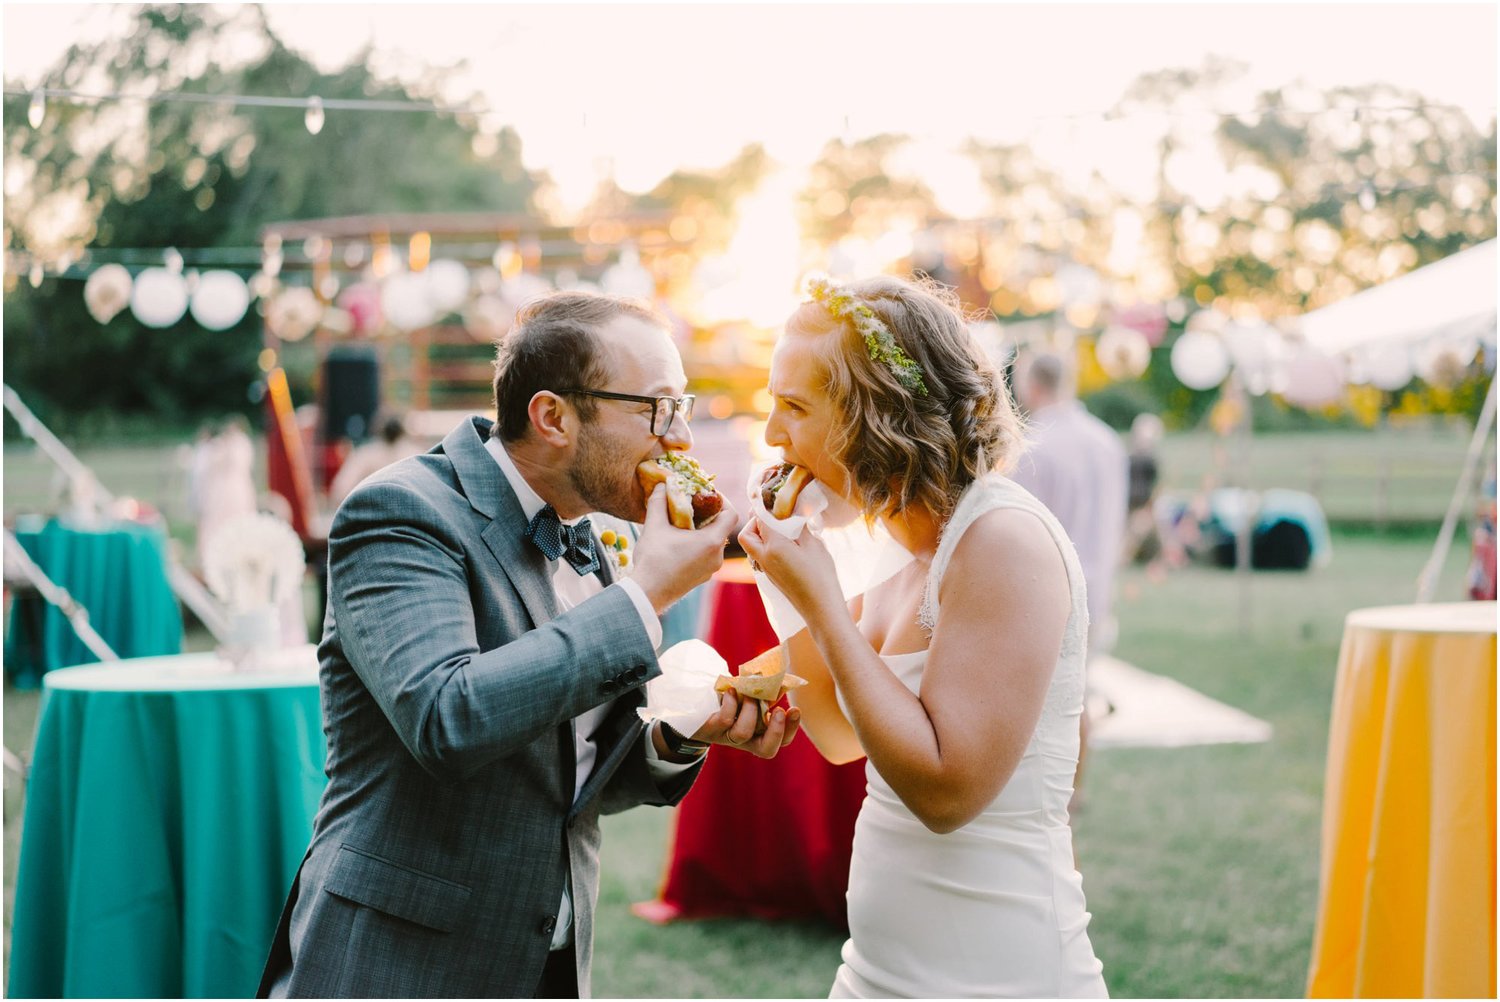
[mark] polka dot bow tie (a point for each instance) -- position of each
(574, 543)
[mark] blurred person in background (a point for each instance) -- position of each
(1076, 466)
(1142, 543)
(391, 444)
(221, 479)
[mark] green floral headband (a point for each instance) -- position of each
(879, 342)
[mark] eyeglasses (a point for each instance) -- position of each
(664, 410)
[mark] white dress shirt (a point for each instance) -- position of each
(571, 589)
(1077, 467)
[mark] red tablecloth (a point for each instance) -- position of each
(766, 839)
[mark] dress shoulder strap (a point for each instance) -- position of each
(985, 495)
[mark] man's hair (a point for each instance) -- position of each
(901, 448)
(554, 345)
(1047, 372)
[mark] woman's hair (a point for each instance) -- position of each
(902, 448)
(554, 345)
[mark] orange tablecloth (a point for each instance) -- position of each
(767, 839)
(1407, 894)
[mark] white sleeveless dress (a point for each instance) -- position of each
(994, 909)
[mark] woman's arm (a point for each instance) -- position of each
(822, 719)
(1003, 609)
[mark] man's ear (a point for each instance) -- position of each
(551, 418)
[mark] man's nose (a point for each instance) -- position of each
(678, 437)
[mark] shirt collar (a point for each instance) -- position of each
(531, 501)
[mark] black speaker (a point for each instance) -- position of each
(351, 393)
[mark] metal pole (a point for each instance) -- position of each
(1427, 580)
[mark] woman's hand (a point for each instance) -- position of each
(800, 568)
(734, 724)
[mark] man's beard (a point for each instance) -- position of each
(601, 478)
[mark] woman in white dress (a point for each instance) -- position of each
(961, 677)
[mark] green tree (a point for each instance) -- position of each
(202, 177)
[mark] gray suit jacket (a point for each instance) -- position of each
(449, 829)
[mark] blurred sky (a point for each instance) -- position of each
(646, 89)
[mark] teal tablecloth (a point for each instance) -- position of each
(117, 572)
(169, 804)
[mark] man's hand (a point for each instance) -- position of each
(734, 725)
(670, 562)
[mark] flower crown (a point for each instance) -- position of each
(879, 341)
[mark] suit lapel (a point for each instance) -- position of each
(529, 572)
(489, 494)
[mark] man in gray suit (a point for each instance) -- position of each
(481, 667)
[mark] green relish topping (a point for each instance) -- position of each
(687, 467)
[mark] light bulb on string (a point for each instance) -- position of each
(37, 110)
(314, 117)
(36, 274)
(172, 258)
(1367, 197)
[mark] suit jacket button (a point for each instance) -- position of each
(608, 686)
(639, 672)
(548, 925)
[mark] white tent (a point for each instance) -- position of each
(1453, 296)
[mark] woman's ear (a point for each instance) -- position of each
(552, 418)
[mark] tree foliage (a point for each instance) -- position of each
(205, 176)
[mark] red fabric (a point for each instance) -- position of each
(765, 839)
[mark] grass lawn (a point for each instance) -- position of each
(1200, 864)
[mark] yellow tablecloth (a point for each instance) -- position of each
(1407, 894)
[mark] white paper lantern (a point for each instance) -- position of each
(1123, 353)
(1209, 321)
(159, 297)
(488, 318)
(628, 277)
(220, 300)
(1080, 285)
(1443, 361)
(403, 300)
(294, 314)
(1200, 360)
(107, 292)
(447, 286)
(1313, 379)
(1387, 367)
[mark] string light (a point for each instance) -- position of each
(314, 107)
(314, 117)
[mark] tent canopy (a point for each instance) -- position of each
(1455, 295)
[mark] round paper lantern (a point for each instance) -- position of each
(1387, 367)
(628, 277)
(1209, 321)
(362, 302)
(107, 292)
(403, 299)
(447, 285)
(1313, 379)
(1442, 362)
(1148, 318)
(488, 318)
(1123, 353)
(159, 297)
(293, 314)
(1199, 360)
(220, 300)
(1255, 350)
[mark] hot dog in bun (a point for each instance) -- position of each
(780, 487)
(763, 678)
(691, 497)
